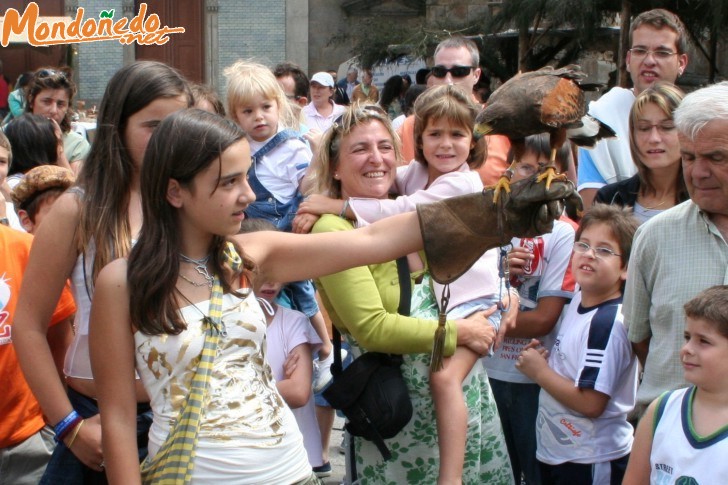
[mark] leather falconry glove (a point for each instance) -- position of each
(458, 230)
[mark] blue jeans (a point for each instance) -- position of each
(518, 406)
(300, 296)
(65, 469)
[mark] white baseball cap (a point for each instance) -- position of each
(324, 79)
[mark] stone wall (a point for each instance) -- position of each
(250, 29)
(325, 19)
(96, 62)
(269, 31)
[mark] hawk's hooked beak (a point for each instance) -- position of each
(481, 129)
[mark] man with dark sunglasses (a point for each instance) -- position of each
(457, 62)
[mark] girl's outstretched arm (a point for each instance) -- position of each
(638, 468)
(293, 257)
(111, 341)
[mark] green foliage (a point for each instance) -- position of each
(582, 19)
(377, 40)
(371, 38)
(555, 31)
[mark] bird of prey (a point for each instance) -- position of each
(548, 100)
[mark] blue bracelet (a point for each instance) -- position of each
(66, 425)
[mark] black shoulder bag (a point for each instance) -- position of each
(371, 391)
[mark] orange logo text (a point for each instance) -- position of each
(143, 29)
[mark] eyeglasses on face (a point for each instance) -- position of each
(599, 253)
(659, 54)
(663, 128)
(455, 71)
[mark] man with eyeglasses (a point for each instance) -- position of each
(682, 251)
(658, 53)
(457, 62)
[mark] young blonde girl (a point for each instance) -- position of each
(257, 103)
(259, 106)
(445, 154)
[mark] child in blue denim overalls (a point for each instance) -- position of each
(280, 159)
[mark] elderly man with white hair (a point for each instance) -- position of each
(683, 250)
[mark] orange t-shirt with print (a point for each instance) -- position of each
(21, 413)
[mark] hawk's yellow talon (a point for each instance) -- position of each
(549, 174)
(503, 183)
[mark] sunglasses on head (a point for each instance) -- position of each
(355, 114)
(456, 71)
(50, 73)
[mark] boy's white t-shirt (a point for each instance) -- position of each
(592, 350)
(288, 330)
(281, 169)
(548, 275)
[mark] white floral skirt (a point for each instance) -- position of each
(415, 456)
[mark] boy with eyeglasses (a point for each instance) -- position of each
(589, 383)
(658, 52)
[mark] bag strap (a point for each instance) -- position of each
(176, 454)
(405, 286)
(405, 300)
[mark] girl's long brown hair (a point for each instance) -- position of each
(107, 172)
(183, 145)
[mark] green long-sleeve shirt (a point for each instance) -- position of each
(363, 301)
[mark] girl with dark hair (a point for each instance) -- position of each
(195, 331)
(394, 87)
(50, 94)
(35, 142)
(89, 226)
(17, 99)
